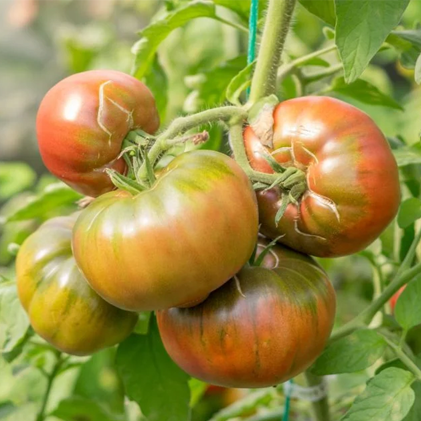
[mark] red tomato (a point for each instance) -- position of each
(352, 178)
(261, 328)
(82, 121)
(173, 244)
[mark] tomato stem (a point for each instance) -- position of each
(292, 181)
(402, 356)
(365, 317)
(320, 407)
(276, 28)
(180, 125)
(288, 68)
(50, 380)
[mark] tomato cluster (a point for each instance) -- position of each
(231, 310)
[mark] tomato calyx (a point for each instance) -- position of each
(261, 251)
(142, 152)
(291, 180)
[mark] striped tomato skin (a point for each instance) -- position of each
(61, 306)
(261, 328)
(173, 244)
(352, 179)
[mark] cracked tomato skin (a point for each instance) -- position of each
(173, 244)
(82, 122)
(352, 178)
(62, 307)
(259, 332)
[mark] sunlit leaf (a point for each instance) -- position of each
(361, 28)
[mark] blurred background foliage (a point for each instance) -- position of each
(42, 42)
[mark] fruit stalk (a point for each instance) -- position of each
(276, 28)
(182, 124)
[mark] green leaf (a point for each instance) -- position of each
(211, 85)
(91, 384)
(365, 92)
(239, 84)
(406, 241)
(408, 44)
(22, 412)
(417, 75)
(14, 178)
(361, 28)
(407, 155)
(145, 49)
(197, 389)
(323, 9)
(156, 80)
(241, 7)
(352, 353)
(14, 323)
(245, 406)
(408, 309)
(411, 35)
(387, 397)
(396, 363)
(39, 206)
(152, 379)
(415, 412)
(316, 61)
(409, 212)
(79, 408)
(6, 408)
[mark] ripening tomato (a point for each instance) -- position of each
(352, 186)
(173, 244)
(261, 328)
(82, 122)
(62, 307)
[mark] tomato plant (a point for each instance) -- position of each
(263, 327)
(62, 308)
(352, 185)
(82, 122)
(321, 122)
(157, 249)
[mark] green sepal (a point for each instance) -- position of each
(274, 164)
(149, 169)
(123, 182)
(266, 250)
(259, 186)
(284, 204)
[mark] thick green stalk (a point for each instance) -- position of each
(276, 28)
(180, 125)
(320, 407)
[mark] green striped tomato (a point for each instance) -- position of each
(173, 244)
(261, 328)
(62, 307)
